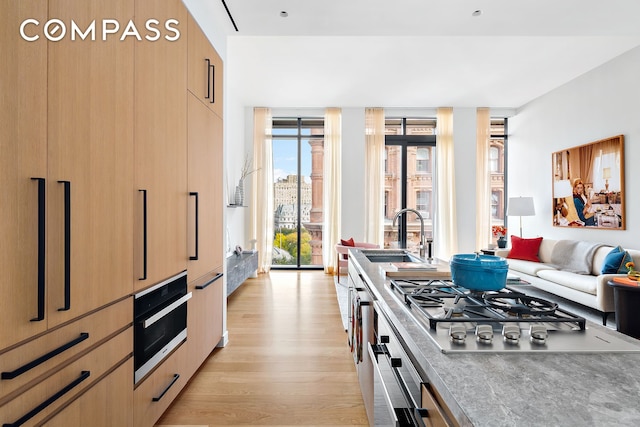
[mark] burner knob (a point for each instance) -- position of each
(538, 334)
(484, 334)
(457, 333)
(511, 334)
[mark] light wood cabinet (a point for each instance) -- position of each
(32, 360)
(154, 395)
(90, 158)
(90, 407)
(205, 240)
(160, 247)
(23, 151)
(101, 144)
(205, 69)
(67, 111)
(52, 392)
(204, 318)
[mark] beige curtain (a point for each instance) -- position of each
(483, 178)
(445, 231)
(262, 195)
(331, 191)
(374, 176)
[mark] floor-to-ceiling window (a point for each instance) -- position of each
(298, 146)
(409, 165)
(497, 169)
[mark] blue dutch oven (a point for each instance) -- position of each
(478, 272)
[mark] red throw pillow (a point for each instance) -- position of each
(525, 249)
(349, 242)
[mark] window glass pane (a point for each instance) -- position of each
(393, 192)
(297, 191)
(422, 126)
(496, 153)
(285, 179)
(393, 126)
(423, 163)
(494, 157)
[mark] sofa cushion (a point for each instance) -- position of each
(528, 267)
(546, 248)
(575, 256)
(598, 259)
(579, 282)
(525, 249)
(615, 261)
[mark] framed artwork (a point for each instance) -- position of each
(588, 185)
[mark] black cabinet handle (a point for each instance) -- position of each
(217, 276)
(41, 248)
(144, 235)
(208, 79)
(195, 194)
(67, 245)
(173, 381)
(212, 70)
(83, 376)
(24, 368)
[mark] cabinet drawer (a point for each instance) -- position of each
(55, 391)
(437, 415)
(35, 359)
(90, 408)
(154, 395)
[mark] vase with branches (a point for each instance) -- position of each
(247, 169)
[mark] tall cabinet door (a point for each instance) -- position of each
(160, 230)
(23, 150)
(90, 145)
(205, 69)
(205, 189)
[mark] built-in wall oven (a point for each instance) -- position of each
(401, 396)
(160, 323)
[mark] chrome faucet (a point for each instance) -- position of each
(400, 212)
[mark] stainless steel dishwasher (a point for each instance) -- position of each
(360, 332)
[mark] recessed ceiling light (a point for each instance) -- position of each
(284, 14)
(477, 12)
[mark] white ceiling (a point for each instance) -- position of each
(417, 53)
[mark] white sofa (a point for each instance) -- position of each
(590, 290)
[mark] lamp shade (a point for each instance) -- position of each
(606, 173)
(562, 188)
(521, 206)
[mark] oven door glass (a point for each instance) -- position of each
(153, 334)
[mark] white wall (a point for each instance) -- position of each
(601, 103)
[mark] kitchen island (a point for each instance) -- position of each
(517, 389)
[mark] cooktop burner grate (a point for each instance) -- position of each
(441, 301)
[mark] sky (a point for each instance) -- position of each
(285, 158)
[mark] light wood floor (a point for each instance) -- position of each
(287, 361)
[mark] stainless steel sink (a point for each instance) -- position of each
(387, 256)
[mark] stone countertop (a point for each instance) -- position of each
(521, 389)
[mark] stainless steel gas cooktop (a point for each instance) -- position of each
(459, 320)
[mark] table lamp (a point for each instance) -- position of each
(606, 174)
(520, 206)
